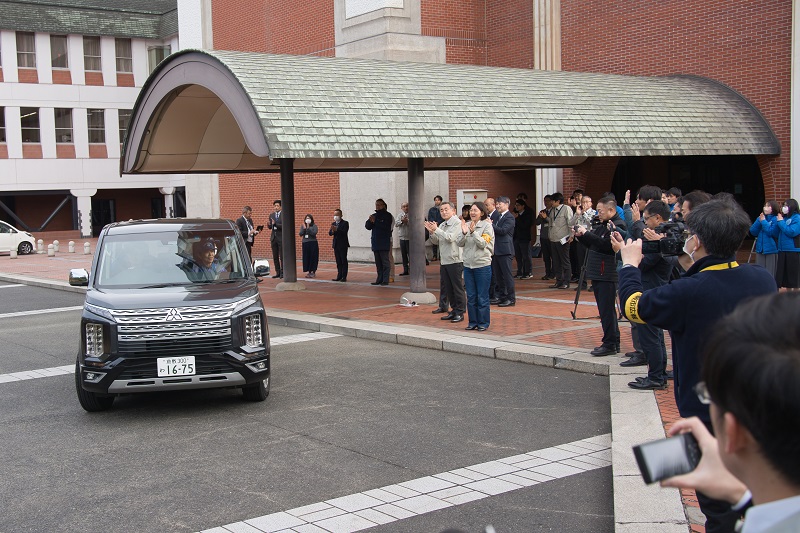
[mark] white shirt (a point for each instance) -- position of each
(762, 517)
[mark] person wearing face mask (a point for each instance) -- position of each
(308, 231)
(690, 307)
(764, 230)
(341, 243)
(787, 230)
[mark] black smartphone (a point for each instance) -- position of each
(664, 458)
(259, 228)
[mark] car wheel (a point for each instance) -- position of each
(90, 401)
(25, 248)
(257, 392)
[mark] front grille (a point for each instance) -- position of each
(174, 331)
(148, 370)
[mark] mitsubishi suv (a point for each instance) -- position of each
(171, 304)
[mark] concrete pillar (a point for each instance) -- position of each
(84, 197)
(169, 201)
(287, 214)
(417, 211)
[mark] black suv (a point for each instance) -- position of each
(171, 304)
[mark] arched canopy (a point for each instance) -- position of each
(222, 111)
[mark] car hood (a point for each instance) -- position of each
(183, 296)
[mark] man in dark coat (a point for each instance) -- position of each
(522, 239)
(503, 252)
(276, 238)
(245, 225)
(690, 306)
(380, 224)
(341, 242)
(601, 268)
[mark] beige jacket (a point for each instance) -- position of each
(478, 245)
(445, 236)
(559, 219)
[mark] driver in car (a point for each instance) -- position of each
(206, 261)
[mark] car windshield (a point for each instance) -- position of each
(169, 258)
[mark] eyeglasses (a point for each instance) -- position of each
(702, 393)
(648, 217)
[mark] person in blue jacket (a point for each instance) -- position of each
(787, 224)
(690, 306)
(380, 223)
(764, 230)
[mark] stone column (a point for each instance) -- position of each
(84, 197)
(416, 213)
(169, 201)
(289, 282)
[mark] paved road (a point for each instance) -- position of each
(345, 416)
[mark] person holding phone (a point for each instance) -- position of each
(245, 225)
(751, 368)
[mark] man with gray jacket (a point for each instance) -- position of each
(451, 267)
(559, 218)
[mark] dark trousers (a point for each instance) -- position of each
(651, 342)
(522, 249)
(493, 281)
(505, 279)
(561, 267)
(443, 301)
(574, 262)
(453, 276)
(382, 265)
(719, 516)
(404, 247)
(435, 251)
(547, 257)
(249, 246)
(277, 256)
(341, 262)
(605, 294)
(581, 251)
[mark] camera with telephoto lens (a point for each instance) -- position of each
(675, 235)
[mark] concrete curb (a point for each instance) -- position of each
(635, 417)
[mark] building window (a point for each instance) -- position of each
(63, 125)
(2, 124)
(156, 55)
(124, 55)
(124, 121)
(91, 54)
(58, 51)
(26, 49)
(97, 125)
(29, 120)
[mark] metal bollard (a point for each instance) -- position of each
(55, 246)
(13, 253)
(71, 246)
(40, 246)
(87, 248)
(51, 252)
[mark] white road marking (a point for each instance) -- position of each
(430, 493)
(70, 369)
(14, 285)
(42, 311)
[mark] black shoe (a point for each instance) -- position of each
(527, 276)
(375, 283)
(438, 310)
(604, 350)
(646, 384)
(385, 283)
(634, 353)
(457, 318)
(336, 279)
(574, 279)
(556, 285)
(448, 316)
(563, 286)
(547, 277)
(506, 303)
(637, 359)
(276, 276)
(404, 274)
(670, 375)
(494, 301)
(281, 275)
(343, 280)
(481, 328)
(469, 328)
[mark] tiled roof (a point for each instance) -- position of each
(336, 107)
(151, 19)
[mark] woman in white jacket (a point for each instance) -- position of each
(477, 239)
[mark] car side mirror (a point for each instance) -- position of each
(79, 277)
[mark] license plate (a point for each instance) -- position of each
(175, 366)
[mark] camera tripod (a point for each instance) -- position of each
(581, 280)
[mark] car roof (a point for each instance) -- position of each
(169, 224)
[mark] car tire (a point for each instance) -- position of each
(257, 392)
(25, 248)
(90, 401)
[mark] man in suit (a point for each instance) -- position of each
(380, 224)
(503, 252)
(522, 239)
(435, 216)
(543, 220)
(751, 367)
(341, 243)
(245, 225)
(491, 208)
(276, 238)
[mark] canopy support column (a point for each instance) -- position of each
(289, 282)
(416, 210)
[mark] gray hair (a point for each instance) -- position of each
(447, 203)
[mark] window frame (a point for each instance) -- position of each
(91, 58)
(123, 129)
(65, 57)
(99, 131)
(153, 53)
(64, 128)
(25, 113)
(2, 124)
(25, 56)
(128, 65)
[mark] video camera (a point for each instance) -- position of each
(672, 244)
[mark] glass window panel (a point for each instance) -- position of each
(124, 120)
(156, 55)
(26, 49)
(29, 120)
(91, 53)
(97, 125)
(124, 55)
(58, 51)
(63, 125)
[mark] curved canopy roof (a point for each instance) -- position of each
(224, 111)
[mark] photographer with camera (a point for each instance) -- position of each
(601, 268)
(690, 306)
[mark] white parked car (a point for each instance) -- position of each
(13, 239)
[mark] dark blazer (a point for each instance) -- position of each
(241, 223)
(340, 239)
(504, 234)
(602, 262)
(522, 230)
(381, 230)
(277, 227)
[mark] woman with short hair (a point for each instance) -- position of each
(477, 239)
(308, 231)
(764, 229)
(788, 232)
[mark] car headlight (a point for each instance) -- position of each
(247, 302)
(102, 311)
(253, 331)
(93, 333)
